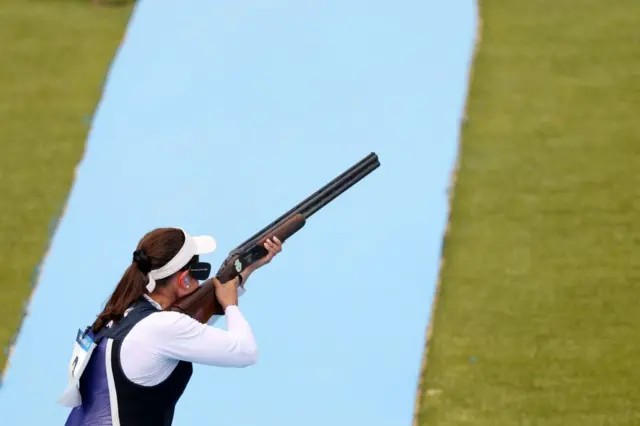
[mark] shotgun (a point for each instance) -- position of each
(202, 304)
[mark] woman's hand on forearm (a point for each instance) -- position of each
(273, 247)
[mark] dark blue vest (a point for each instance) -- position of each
(104, 382)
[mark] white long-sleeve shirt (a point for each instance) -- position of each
(156, 344)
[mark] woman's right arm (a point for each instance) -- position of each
(182, 337)
(189, 340)
(215, 318)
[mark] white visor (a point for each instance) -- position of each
(202, 244)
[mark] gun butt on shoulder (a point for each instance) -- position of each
(202, 304)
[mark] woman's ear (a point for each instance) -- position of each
(183, 279)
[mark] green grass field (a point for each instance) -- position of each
(535, 321)
(55, 55)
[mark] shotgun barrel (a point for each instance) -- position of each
(322, 196)
(202, 303)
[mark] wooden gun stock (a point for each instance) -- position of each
(202, 304)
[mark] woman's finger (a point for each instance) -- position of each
(269, 246)
(277, 243)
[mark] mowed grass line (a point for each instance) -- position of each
(538, 313)
(54, 58)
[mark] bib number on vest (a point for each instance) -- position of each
(82, 350)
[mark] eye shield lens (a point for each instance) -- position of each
(200, 270)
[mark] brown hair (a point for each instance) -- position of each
(154, 250)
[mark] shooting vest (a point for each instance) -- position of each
(109, 398)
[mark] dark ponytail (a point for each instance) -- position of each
(154, 250)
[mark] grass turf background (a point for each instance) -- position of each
(537, 318)
(55, 55)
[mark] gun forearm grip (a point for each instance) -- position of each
(284, 231)
(239, 261)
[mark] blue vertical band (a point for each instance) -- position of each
(218, 117)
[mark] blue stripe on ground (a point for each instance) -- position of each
(218, 117)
